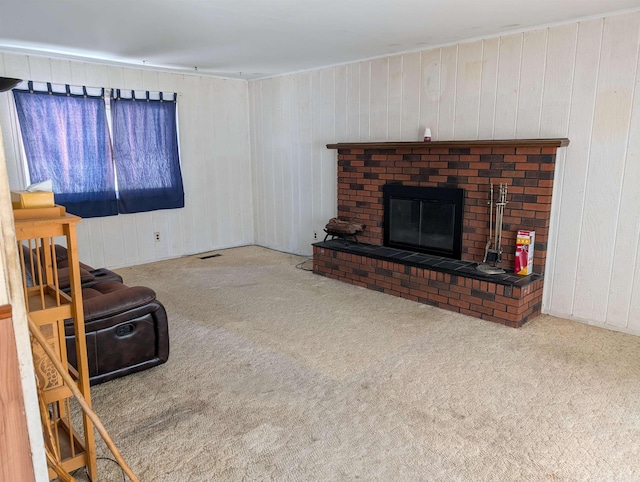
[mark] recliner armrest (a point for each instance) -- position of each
(111, 298)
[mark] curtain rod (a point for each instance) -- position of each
(62, 88)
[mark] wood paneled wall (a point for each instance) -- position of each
(215, 158)
(577, 81)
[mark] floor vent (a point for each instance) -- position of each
(210, 256)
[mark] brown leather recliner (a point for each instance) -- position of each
(126, 330)
(126, 327)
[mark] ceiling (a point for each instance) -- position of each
(263, 38)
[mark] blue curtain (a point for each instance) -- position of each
(66, 139)
(145, 147)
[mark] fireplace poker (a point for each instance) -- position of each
(499, 215)
(490, 202)
(493, 249)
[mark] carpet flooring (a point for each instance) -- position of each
(278, 374)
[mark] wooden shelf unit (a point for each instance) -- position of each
(48, 306)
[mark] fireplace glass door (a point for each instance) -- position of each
(426, 220)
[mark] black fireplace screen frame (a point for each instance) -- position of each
(453, 197)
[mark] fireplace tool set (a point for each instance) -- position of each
(493, 249)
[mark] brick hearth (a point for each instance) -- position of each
(527, 166)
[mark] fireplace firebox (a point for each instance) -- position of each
(424, 219)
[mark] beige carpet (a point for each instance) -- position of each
(278, 374)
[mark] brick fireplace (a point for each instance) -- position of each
(526, 166)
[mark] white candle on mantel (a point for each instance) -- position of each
(427, 135)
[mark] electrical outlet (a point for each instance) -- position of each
(315, 235)
(156, 236)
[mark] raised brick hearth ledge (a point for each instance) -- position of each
(446, 283)
(526, 165)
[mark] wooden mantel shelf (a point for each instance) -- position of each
(559, 142)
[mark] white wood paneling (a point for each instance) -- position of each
(558, 80)
(489, 88)
(447, 96)
(353, 101)
(305, 160)
(286, 139)
(508, 87)
(411, 77)
(625, 273)
(430, 91)
(559, 77)
(629, 269)
(571, 201)
(39, 68)
(576, 80)
(559, 63)
(620, 43)
(206, 232)
(175, 233)
(297, 186)
(328, 168)
(257, 163)
(276, 174)
(394, 101)
(318, 152)
(379, 129)
(468, 84)
(532, 74)
(341, 134)
(614, 94)
(265, 197)
(188, 124)
(215, 161)
(365, 101)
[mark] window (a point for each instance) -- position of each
(66, 139)
(145, 145)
